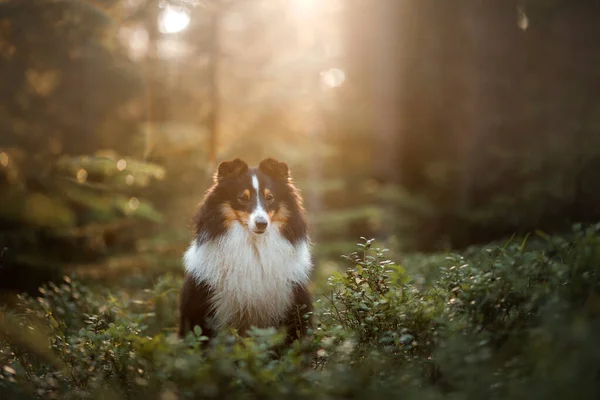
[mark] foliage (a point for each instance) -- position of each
(71, 193)
(68, 82)
(89, 205)
(511, 321)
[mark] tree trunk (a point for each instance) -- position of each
(214, 89)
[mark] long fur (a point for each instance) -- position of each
(253, 277)
(237, 278)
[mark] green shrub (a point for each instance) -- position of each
(513, 321)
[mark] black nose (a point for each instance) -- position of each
(261, 225)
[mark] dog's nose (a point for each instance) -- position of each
(261, 224)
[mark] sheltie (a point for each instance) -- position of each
(249, 262)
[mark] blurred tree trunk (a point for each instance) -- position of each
(215, 48)
(389, 48)
(151, 23)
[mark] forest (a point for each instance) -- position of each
(447, 153)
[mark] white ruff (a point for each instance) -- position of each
(252, 275)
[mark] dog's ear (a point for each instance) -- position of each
(230, 169)
(274, 169)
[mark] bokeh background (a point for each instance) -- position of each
(429, 125)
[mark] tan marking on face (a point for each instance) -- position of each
(281, 215)
(246, 193)
(267, 192)
(232, 215)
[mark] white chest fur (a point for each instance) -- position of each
(252, 275)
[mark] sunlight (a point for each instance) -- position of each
(133, 203)
(304, 9)
(173, 20)
(121, 164)
(522, 19)
(333, 77)
(82, 175)
(136, 39)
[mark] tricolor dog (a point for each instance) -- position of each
(249, 262)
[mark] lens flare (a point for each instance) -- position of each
(121, 164)
(173, 20)
(82, 175)
(133, 203)
(333, 77)
(4, 159)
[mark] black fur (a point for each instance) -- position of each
(231, 180)
(195, 308)
(299, 317)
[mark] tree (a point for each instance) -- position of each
(492, 125)
(69, 189)
(237, 84)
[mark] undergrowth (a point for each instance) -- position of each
(498, 322)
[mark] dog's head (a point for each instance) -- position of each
(257, 198)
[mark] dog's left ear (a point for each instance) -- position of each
(274, 169)
(229, 169)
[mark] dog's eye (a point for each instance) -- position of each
(269, 197)
(244, 198)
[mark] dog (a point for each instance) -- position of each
(249, 263)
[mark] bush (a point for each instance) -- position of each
(511, 321)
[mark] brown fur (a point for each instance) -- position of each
(231, 215)
(280, 215)
(196, 308)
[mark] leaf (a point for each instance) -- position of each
(524, 241)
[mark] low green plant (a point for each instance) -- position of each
(519, 320)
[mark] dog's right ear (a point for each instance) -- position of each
(230, 169)
(275, 169)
